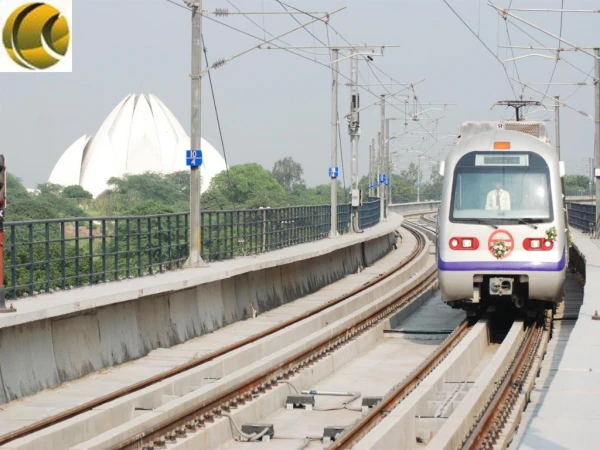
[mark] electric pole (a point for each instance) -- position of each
(333, 171)
(195, 258)
(354, 131)
(557, 125)
(353, 118)
(377, 191)
(591, 175)
(388, 175)
(557, 146)
(372, 171)
(381, 189)
(597, 135)
(353, 126)
(419, 180)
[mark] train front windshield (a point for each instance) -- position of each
(502, 188)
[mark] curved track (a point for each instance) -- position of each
(263, 381)
(207, 411)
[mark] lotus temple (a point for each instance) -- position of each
(139, 135)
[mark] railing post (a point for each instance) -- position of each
(264, 230)
(3, 308)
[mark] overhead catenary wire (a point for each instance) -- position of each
(212, 91)
(265, 31)
(222, 61)
(285, 6)
(484, 44)
(549, 50)
(512, 50)
(583, 113)
(506, 13)
(562, 3)
(556, 52)
(273, 44)
(589, 74)
(237, 55)
(328, 25)
(293, 17)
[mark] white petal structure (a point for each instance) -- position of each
(66, 171)
(138, 136)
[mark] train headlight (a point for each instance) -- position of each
(464, 243)
(539, 244)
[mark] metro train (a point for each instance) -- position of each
(502, 230)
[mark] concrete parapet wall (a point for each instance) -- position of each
(406, 208)
(45, 352)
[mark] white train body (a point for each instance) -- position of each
(508, 244)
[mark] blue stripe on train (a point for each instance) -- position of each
(521, 266)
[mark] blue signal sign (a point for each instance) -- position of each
(334, 172)
(193, 158)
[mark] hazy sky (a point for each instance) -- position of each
(274, 104)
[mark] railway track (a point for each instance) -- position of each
(189, 421)
(399, 393)
(474, 396)
(197, 417)
(484, 425)
(492, 421)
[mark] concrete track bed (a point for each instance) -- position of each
(371, 365)
(62, 342)
(214, 435)
(440, 412)
(217, 374)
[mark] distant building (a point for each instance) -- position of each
(138, 136)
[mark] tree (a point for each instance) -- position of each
(288, 173)
(432, 190)
(576, 183)
(246, 186)
(49, 189)
(125, 193)
(76, 192)
(14, 188)
(318, 195)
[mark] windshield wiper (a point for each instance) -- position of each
(483, 222)
(526, 222)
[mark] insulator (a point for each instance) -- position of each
(219, 63)
(221, 12)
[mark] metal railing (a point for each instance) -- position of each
(57, 254)
(582, 216)
(425, 196)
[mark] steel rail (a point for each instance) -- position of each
(491, 423)
(78, 410)
(188, 420)
(352, 435)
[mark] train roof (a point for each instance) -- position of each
(484, 141)
(533, 128)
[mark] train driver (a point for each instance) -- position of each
(498, 198)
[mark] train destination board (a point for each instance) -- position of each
(501, 160)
